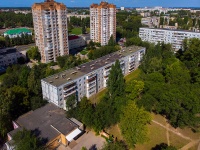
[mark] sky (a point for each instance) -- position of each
(119, 3)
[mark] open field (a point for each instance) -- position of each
(158, 134)
(133, 75)
(76, 31)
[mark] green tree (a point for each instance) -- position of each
(133, 124)
(71, 101)
(24, 140)
(115, 146)
(34, 53)
(116, 83)
(111, 41)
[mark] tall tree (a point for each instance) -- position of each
(133, 124)
(116, 83)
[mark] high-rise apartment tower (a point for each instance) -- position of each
(50, 26)
(102, 22)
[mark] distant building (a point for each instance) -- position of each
(89, 78)
(76, 15)
(17, 32)
(151, 22)
(145, 14)
(76, 41)
(102, 22)
(50, 124)
(174, 37)
(50, 26)
(9, 56)
(122, 8)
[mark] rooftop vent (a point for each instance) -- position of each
(68, 79)
(50, 81)
(92, 68)
(83, 66)
(106, 62)
(56, 77)
(74, 72)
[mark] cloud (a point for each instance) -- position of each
(72, 1)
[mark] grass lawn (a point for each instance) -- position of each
(133, 75)
(177, 141)
(84, 52)
(76, 31)
(97, 97)
(88, 30)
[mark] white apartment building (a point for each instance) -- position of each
(102, 22)
(9, 56)
(76, 41)
(89, 78)
(50, 26)
(173, 37)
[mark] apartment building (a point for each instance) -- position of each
(50, 26)
(76, 41)
(151, 22)
(173, 37)
(9, 56)
(89, 78)
(102, 22)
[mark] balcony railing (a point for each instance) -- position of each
(69, 85)
(91, 79)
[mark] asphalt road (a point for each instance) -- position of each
(24, 47)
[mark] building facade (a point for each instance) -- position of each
(50, 26)
(173, 37)
(17, 32)
(9, 56)
(151, 22)
(89, 78)
(76, 41)
(102, 22)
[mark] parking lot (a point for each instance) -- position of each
(88, 140)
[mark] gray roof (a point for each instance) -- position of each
(170, 29)
(48, 121)
(6, 51)
(74, 73)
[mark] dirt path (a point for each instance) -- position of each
(167, 134)
(189, 145)
(174, 131)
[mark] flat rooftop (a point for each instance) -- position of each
(169, 29)
(48, 122)
(74, 73)
(5, 51)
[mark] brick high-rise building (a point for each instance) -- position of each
(102, 22)
(50, 26)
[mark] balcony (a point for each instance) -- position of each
(69, 93)
(70, 86)
(91, 79)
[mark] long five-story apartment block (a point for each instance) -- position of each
(89, 78)
(174, 37)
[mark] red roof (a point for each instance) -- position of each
(73, 37)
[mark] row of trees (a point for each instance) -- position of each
(128, 24)
(12, 20)
(9, 42)
(97, 51)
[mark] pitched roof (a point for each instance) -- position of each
(17, 31)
